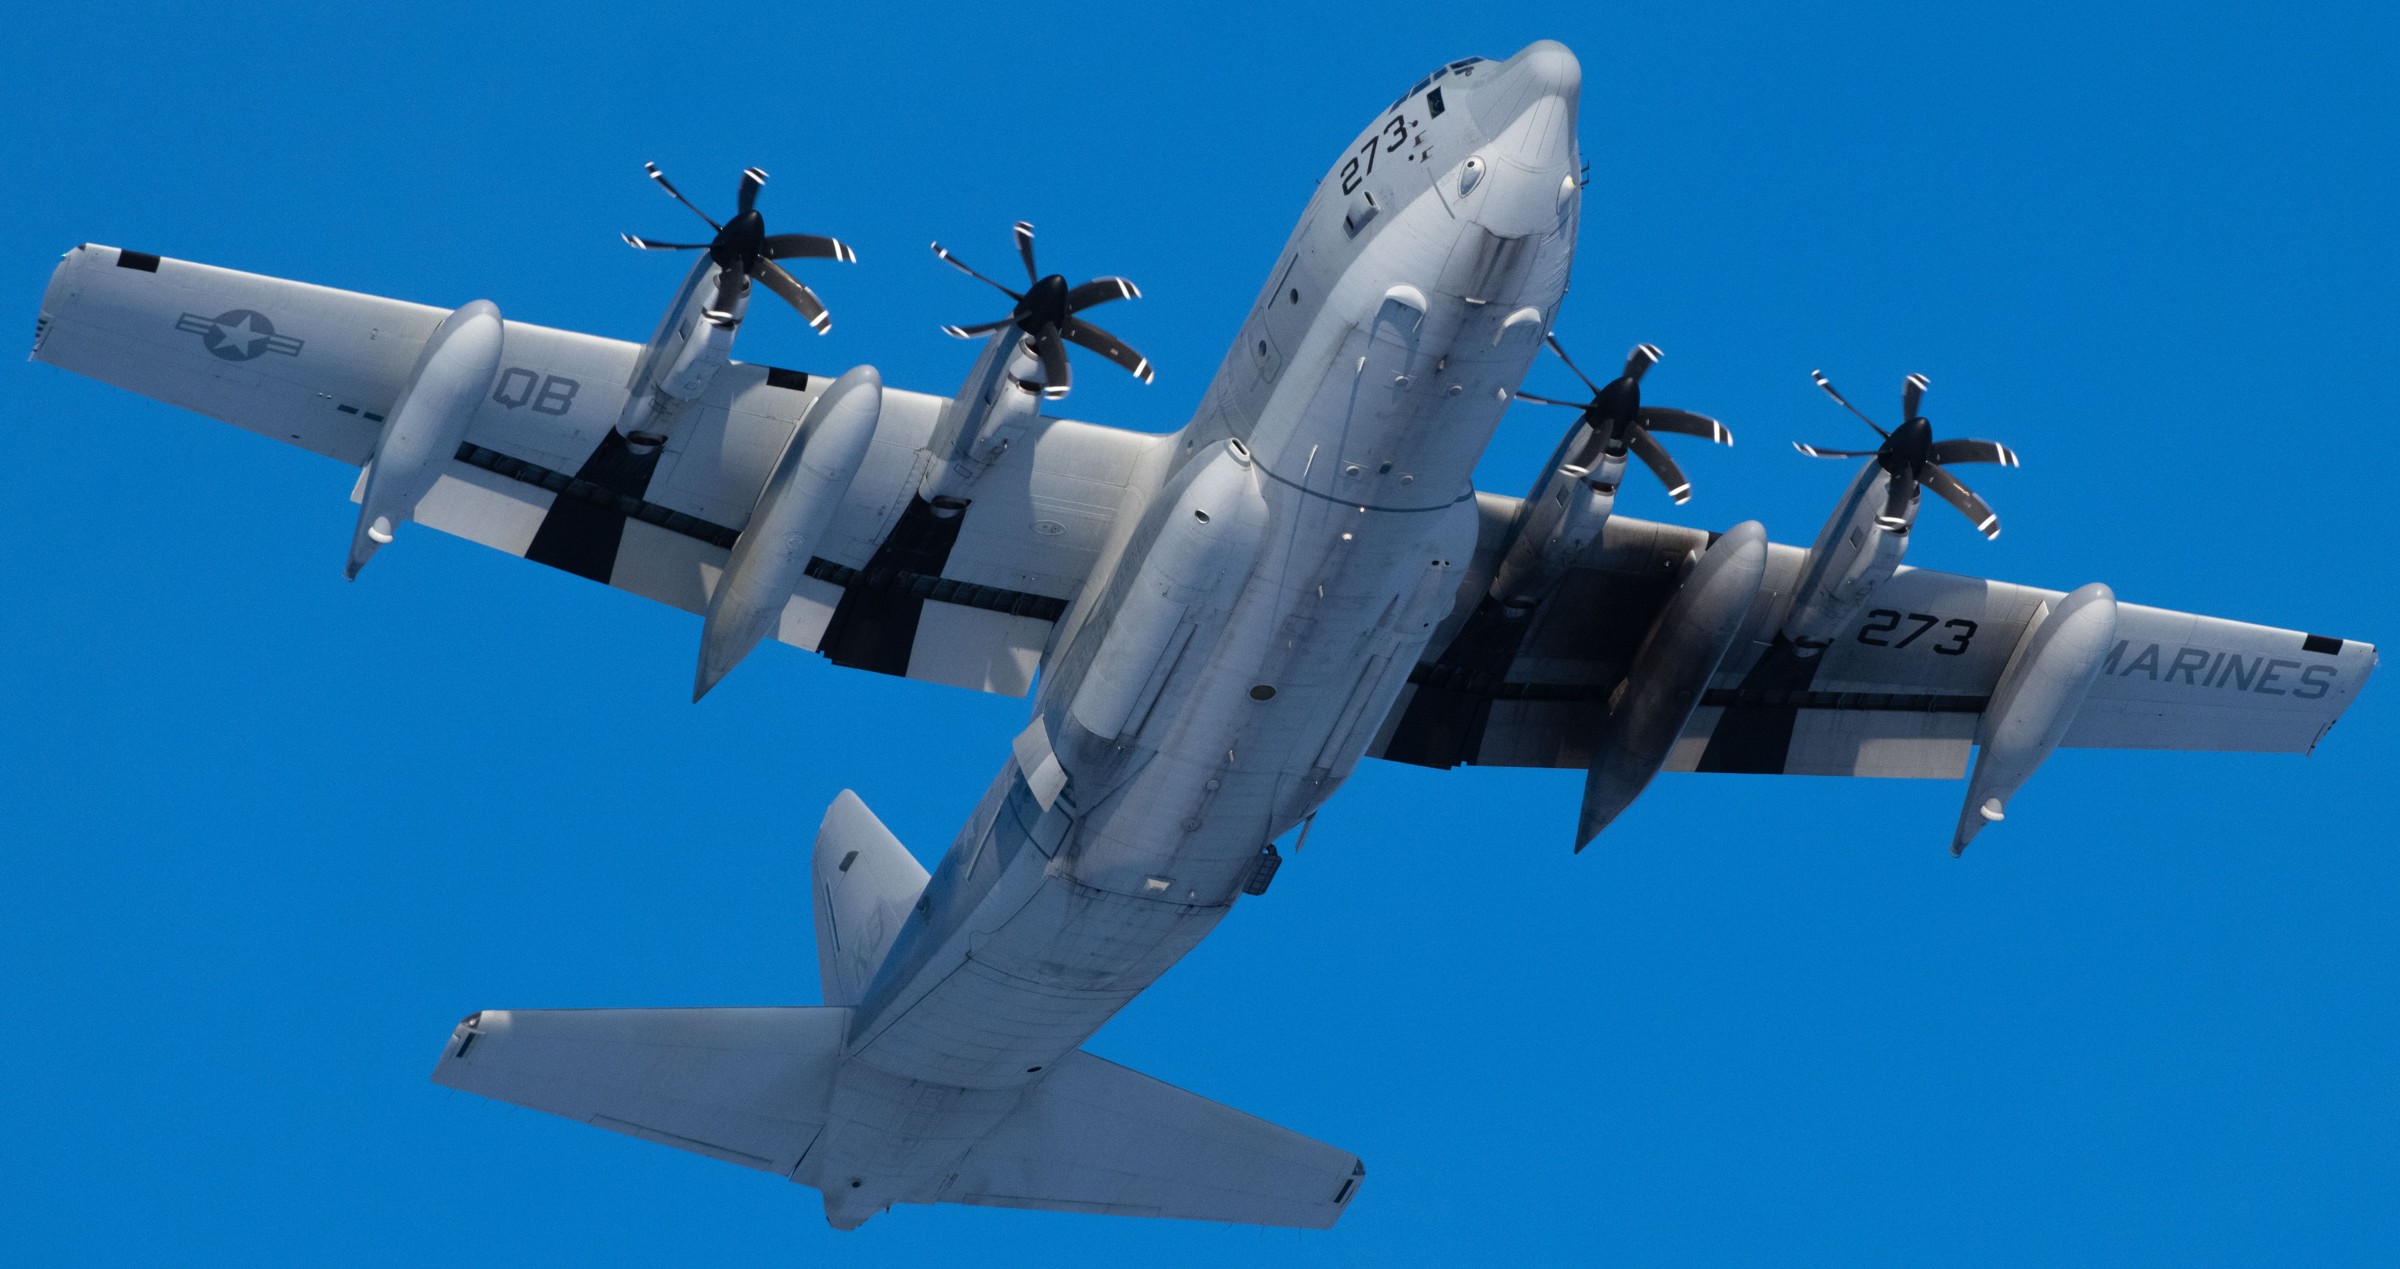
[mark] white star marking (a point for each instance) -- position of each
(246, 335)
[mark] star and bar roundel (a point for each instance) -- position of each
(238, 334)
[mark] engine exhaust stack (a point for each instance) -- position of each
(427, 424)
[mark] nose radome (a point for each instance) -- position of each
(1548, 68)
(1529, 104)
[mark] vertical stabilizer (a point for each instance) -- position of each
(865, 882)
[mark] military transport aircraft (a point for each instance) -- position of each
(1224, 620)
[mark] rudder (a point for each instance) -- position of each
(864, 882)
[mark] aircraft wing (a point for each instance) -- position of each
(543, 474)
(1899, 693)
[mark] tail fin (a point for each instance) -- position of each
(864, 882)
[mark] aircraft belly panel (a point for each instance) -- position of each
(1035, 987)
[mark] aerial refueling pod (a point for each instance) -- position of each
(1669, 673)
(794, 507)
(427, 424)
(2047, 677)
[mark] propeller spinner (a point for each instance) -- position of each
(743, 250)
(1914, 458)
(1615, 420)
(1046, 313)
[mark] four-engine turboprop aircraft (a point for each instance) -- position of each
(1225, 620)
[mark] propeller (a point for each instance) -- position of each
(744, 250)
(1615, 420)
(1915, 459)
(1046, 313)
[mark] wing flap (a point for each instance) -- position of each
(1094, 1136)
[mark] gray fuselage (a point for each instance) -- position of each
(1253, 619)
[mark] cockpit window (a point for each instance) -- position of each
(1464, 66)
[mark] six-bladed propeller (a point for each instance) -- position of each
(1914, 458)
(1615, 420)
(1046, 313)
(743, 250)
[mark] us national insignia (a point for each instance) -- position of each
(238, 334)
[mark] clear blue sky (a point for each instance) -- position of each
(268, 834)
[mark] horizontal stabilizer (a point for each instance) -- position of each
(865, 883)
(746, 1086)
(1096, 1137)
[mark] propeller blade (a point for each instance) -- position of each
(1912, 392)
(1815, 452)
(980, 328)
(747, 197)
(794, 293)
(1685, 423)
(1655, 457)
(1542, 400)
(1025, 249)
(653, 244)
(1561, 350)
(1056, 377)
(1830, 391)
(677, 195)
(806, 247)
(1109, 346)
(963, 267)
(1639, 361)
(1976, 510)
(1101, 291)
(1974, 452)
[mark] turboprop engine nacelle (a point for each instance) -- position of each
(1669, 673)
(692, 343)
(794, 507)
(1000, 397)
(427, 424)
(707, 348)
(1857, 551)
(1561, 521)
(2056, 660)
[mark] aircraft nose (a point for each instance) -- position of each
(1525, 110)
(1529, 105)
